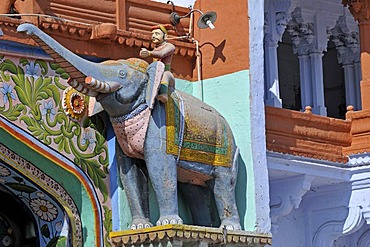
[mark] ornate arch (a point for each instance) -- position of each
(54, 210)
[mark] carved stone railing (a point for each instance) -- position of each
(185, 235)
(360, 132)
(306, 134)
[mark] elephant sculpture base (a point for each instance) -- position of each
(186, 235)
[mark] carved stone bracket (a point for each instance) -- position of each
(359, 209)
(276, 19)
(346, 42)
(287, 195)
(307, 37)
(185, 235)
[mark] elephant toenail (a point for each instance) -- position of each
(158, 223)
(229, 227)
(165, 222)
(140, 226)
(133, 227)
(173, 221)
(147, 225)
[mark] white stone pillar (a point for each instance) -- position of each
(349, 81)
(309, 42)
(272, 91)
(275, 25)
(348, 50)
(305, 79)
(318, 98)
(358, 78)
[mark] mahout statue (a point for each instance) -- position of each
(183, 141)
(163, 52)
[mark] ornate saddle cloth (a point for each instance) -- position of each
(197, 132)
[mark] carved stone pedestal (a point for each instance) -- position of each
(185, 235)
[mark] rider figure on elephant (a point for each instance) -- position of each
(163, 52)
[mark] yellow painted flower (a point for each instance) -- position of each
(74, 104)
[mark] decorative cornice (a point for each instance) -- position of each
(92, 32)
(359, 159)
(186, 233)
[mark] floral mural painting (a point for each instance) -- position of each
(31, 94)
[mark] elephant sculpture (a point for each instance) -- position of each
(183, 142)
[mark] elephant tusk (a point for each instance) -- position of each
(80, 88)
(102, 87)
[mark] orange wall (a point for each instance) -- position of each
(225, 49)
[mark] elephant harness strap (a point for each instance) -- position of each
(131, 130)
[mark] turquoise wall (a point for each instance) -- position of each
(229, 94)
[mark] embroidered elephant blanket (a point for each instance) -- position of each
(197, 132)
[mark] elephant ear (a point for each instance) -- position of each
(155, 72)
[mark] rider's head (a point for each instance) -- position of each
(159, 34)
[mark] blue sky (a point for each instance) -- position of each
(184, 3)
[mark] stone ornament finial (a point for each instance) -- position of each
(308, 110)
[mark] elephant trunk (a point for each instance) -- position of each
(108, 78)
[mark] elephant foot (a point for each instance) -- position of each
(231, 223)
(169, 219)
(140, 224)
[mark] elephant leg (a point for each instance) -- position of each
(201, 207)
(162, 168)
(224, 192)
(135, 183)
(163, 174)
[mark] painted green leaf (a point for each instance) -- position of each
(18, 179)
(8, 65)
(59, 71)
(43, 66)
(22, 95)
(24, 61)
(107, 225)
(45, 231)
(57, 242)
(21, 187)
(13, 112)
(54, 66)
(65, 76)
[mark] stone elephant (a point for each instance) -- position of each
(184, 141)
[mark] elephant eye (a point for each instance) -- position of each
(122, 73)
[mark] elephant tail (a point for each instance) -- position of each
(235, 162)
